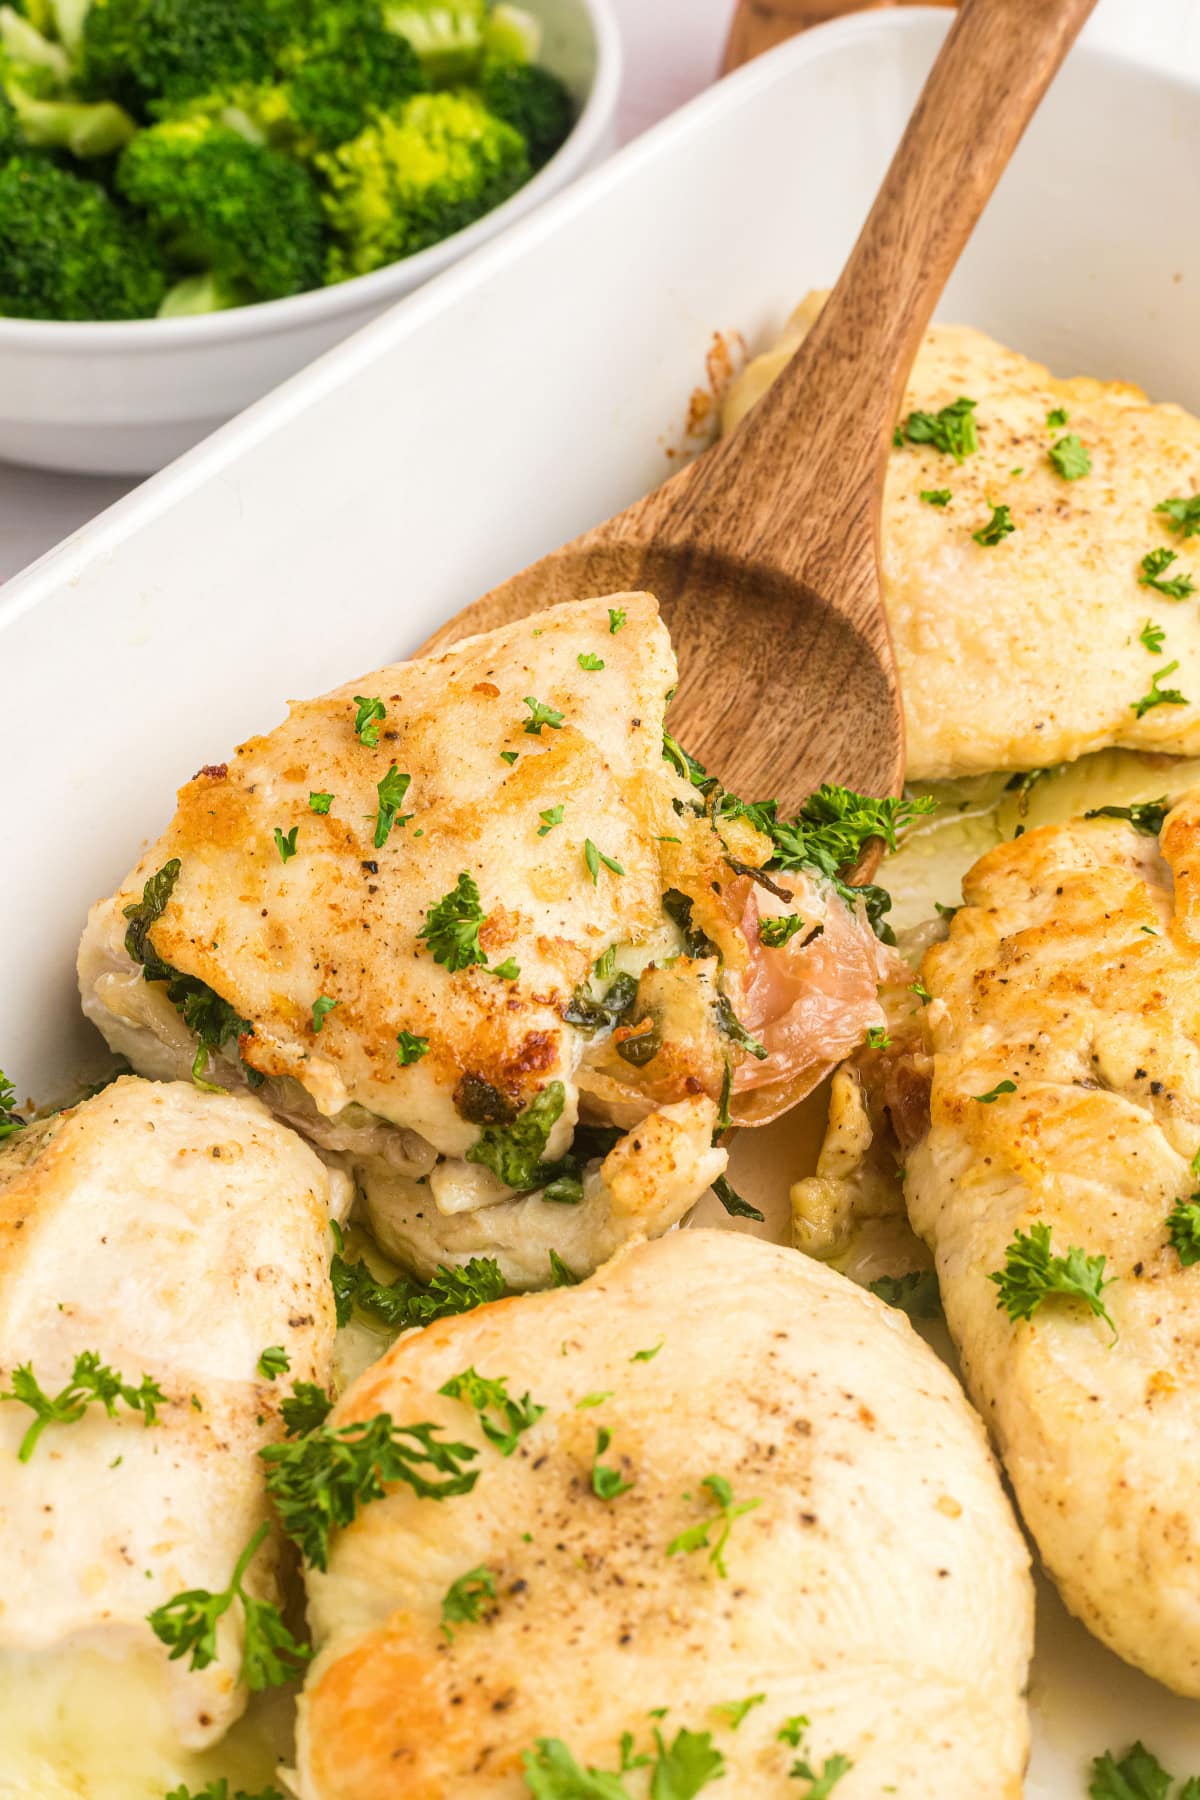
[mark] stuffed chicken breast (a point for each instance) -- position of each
(1045, 1105)
(155, 1242)
(1036, 551)
(465, 922)
(724, 1503)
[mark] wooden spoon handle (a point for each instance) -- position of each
(823, 471)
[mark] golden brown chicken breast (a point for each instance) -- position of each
(1032, 577)
(732, 1518)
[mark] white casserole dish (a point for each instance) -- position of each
(123, 398)
(527, 392)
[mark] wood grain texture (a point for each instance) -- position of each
(760, 25)
(764, 552)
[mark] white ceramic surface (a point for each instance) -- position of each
(126, 397)
(525, 393)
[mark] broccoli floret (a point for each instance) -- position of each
(202, 294)
(411, 179)
(138, 51)
(531, 100)
(341, 66)
(511, 35)
(220, 202)
(44, 66)
(85, 128)
(447, 35)
(68, 251)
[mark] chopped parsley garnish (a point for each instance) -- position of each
(187, 1624)
(915, 1293)
(218, 1789)
(10, 1119)
(1070, 457)
(732, 1201)
(991, 1097)
(936, 496)
(878, 1037)
(509, 756)
(204, 1013)
(286, 843)
(451, 927)
(1151, 637)
(511, 1417)
(92, 1382)
(514, 1152)
(410, 1048)
(306, 1407)
(616, 618)
(607, 1482)
(1183, 1229)
(508, 970)
(391, 791)
(320, 803)
(1145, 816)
(319, 1481)
(552, 816)
(918, 988)
(678, 1771)
(590, 1400)
(1138, 1775)
(699, 1537)
(776, 932)
(594, 857)
(952, 430)
(999, 526)
(734, 1711)
(465, 1599)
(1159, 696)
(322, 1006)
(1032, 1273)
(1154, 566)
(590, 661)
(404, 1302)
(650, 1354)
(1182, 516)
(1057, 418)
(821, 1781)
(560, 1275)
(540, 715)
(371, 712)
(273, 1361)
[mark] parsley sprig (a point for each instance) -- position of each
(951, 430)
(1183, 1229)
(451, 927)
(678, 1771)
(699, 1536)
(371, 712)
(92, 1383)
(1138, 1775)
(514, 1152)
(218, 1789)
(305, 1408)
(501, 1419)
(916, 1293)
(391, 791)
(1159, 696)
(776, 932)
(404, 1302)
(187, 1624)
(999, 526)
(1033, 1273)
(608, 1483)
(1154, 566)
(211, 1019)
(540, 714)
(1182, 516)
(10, 1119)
(320, 1481)
(822, 1781)
(465, 1599)
(1071, 457)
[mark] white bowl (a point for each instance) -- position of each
(124, 398)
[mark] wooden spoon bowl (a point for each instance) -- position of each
(764, 552)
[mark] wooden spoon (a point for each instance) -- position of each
(764, 552)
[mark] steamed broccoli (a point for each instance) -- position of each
(220, 202)
(85, 128)
(531, 100)
(68, 251)
(447, 35)
(139, 51)
(44, 65)
(412, 178)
